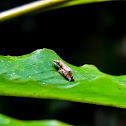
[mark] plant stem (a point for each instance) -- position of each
(24, 9)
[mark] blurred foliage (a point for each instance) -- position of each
(5, 120)
(41, 5)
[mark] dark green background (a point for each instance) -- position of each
(87, 34)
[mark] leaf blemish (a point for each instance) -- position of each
(35, 66)
(15, 65)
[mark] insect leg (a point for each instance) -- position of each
(61, 72)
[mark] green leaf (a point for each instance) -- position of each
(75, 2)
(34, 75)
(7, 121)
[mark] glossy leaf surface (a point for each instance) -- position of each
(7, 121)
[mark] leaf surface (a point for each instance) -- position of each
(70, 3)
(7, 121)
(77, 2)
(34, 75)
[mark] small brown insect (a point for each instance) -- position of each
(64, 70)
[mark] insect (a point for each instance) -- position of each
(64, 70)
